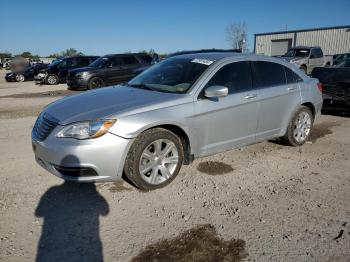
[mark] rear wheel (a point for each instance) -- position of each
(154, 159)
(20, 78)
(95, 82)
(304, 69)
(299, 128)
(52, 79)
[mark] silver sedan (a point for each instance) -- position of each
(185, 107)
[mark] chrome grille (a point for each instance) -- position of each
(43, 127)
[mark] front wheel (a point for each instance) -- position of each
(154, 159)
(52, 79)
(304, 69)
(20, 78)
(299, 128)
(95, 82)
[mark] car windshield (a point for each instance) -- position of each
(297, 53)
(99, 62)
(56, 62)
(173, 75)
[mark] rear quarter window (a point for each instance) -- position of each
(129, 60)
(146, 58)
(291, 76)
(266, 74)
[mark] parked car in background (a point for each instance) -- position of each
(6, 62)
(307, 58)
(336, 86)
(25, 74)
(338, 58)
(57, 71)
(108, 70)
(185, 107)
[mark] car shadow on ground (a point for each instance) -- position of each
(71, 223)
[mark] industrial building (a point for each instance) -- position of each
(332, 40)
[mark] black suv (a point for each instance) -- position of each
(57, 71)
(108, 70)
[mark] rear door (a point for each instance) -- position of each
(130, 64)
(316, 59)
(65, 66)
(278, 97)
(230, 121)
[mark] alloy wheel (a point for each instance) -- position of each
(52, 80)
(95, 83)
(302, 127)
(20, 78)
(158, 161)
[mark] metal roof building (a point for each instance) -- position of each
(332, 40)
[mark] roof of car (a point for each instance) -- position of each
(215, 56)
(125, 54)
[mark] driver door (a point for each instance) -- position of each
(227, 122)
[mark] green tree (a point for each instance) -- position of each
(5, 54)
(67, 52)
(26, 54)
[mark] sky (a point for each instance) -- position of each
(101, 27)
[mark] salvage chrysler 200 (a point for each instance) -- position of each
(185, 107)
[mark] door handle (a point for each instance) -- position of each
(250, 96)
(291, 88)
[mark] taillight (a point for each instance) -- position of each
(320, 87)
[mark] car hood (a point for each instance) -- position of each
(106, 103)
(292, 59)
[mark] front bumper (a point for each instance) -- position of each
(104, 155)
(77, 83)
(40, 79)
(10, 77)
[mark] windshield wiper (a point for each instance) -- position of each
(142, 86)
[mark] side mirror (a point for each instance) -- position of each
(109, 65)
(216, 91)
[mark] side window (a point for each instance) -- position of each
(266, 74)
(84, 61)
(130, 60)
(92, 59)
(316, 53)
(116, 61)
(146, 58)
(72, 62)
(236, 77)
(291, 76)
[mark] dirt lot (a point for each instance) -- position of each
(266, 202)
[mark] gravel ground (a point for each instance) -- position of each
(266, 202)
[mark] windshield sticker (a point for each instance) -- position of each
(202, 61)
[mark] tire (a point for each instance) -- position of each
(20, 78)
(95, 82)
(159, 168)
(299, 128)
(304, 69)
(52, 79)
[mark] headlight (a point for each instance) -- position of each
(82, 74)
(42, 75)
(86, 130)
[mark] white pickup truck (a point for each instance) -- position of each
(307, 58)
